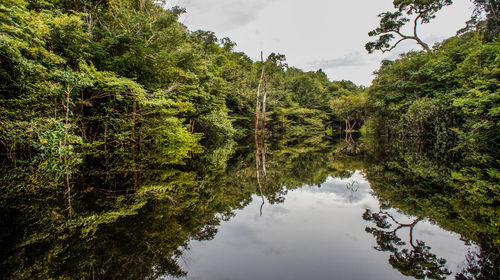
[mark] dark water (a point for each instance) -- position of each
(308, 209)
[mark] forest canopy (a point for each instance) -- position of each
(100, 93)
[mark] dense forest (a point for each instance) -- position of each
(107, 91)
(83, 79)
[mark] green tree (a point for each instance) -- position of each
(490, 11)
(391, 23)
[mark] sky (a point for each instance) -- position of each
(314, 34)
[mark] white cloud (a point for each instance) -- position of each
(348, 60)
(313, 34)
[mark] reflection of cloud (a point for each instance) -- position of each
(351, 59)
(249, 234)
(338, 190)
(280, 210)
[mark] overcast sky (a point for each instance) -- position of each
(313, 34)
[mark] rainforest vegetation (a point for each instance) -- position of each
(114, 115)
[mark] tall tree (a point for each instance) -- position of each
(391, 23)
(490, 11)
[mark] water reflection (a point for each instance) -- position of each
(291, 209)
(417, 260)
(316, 233)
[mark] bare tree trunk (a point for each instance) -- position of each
(346, 128)
(264, 170)
(264, 100)
(132, 136)
(257, 105)
(68, 91)
(256, 138)
(350, 131)
(106, 123)
(351, 128)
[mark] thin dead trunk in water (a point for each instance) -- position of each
(257, 155)
(264, 99)
(106, 155)
(262, 132)
(191, 130)
(257, 105)
(264, 170)
(256, 138)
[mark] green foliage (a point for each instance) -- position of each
(451, 191)
(122, 99)
(449, 96)
(486, 17)
(391, 23)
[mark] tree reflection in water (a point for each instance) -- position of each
(483, 264)
(136, 227)
(417, 261)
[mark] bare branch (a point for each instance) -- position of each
(395, 45)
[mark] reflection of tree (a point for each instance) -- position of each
(452, 189)
(128, 223)
(483, 264)
(417, 260)
(260, 162)
(350, 186)
(135, 227)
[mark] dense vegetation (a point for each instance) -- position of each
(100, 79)
(127, 72)
(114, 115)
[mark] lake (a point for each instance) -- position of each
(317, 233)
(296, 209)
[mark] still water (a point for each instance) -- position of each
(293, 209)
(317, 233)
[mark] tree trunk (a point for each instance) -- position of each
(132, 136)
(257, 105)
(264, 99)
(68, 187)
(346, 128)
(351, 129)
(264, 170)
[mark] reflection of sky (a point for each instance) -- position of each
(317, 233)
(351, 192)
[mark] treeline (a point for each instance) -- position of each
(449, 95)
(445, 98)
(440, 109)
(84, 78)
(80, 76)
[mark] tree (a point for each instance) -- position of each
(490, 10)
(417, 260)
(349, 107)
(391, 23)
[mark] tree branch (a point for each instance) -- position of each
(420, 42)
(395, 45)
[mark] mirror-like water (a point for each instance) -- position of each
(317, 233)
(301, 209)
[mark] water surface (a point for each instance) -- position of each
(294, 209)
(317, 233)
